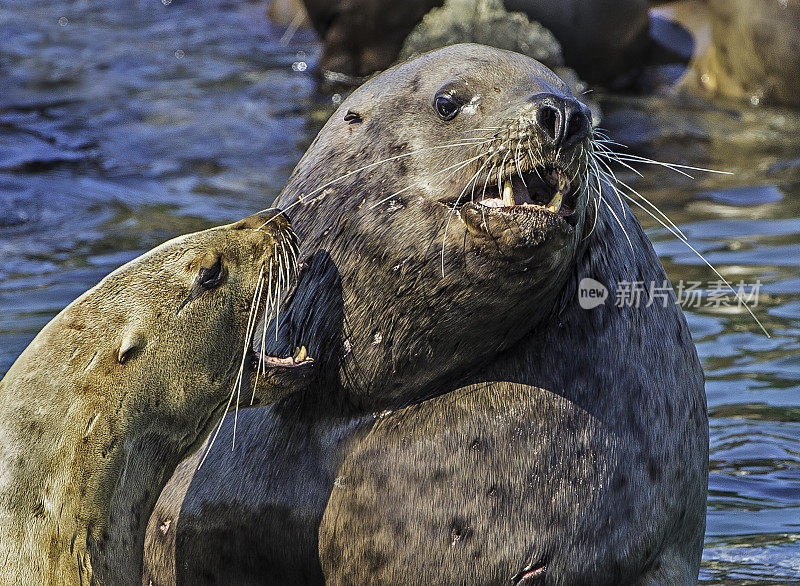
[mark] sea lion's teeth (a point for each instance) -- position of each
(301, 355)
(555, 203)
(508, 195)
(494, 202)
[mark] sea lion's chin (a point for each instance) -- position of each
(536, 207)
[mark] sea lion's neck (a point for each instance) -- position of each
(395, 325)
(619, 392)
(79, 480)
(147, 462)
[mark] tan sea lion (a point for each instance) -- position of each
(98, 410)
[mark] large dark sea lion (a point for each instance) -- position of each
(447, 213)
(580, 457)
(99, 409)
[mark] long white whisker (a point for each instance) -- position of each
(475, 183)
(460, 164)
(703, 258)
(251, 326)
(603, 152)
(267, 305)
(450, 214)
(632, 191)
(488, 176)
(500, 174)
(616, 217)
(305, 198)
(613, 157)
(241, 368)
(278, 287)
(611, 180)
(671, 166)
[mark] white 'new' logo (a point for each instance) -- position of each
(591, 293)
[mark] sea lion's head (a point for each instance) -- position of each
(511, 153)
(211, 289)
(459, 182)
(492, 135)
(168, 334)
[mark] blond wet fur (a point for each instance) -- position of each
(107, 399)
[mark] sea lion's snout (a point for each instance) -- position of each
(536, 167)
(562, 121)
(276, 263)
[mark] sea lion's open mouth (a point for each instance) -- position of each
(522, 208)
(546, 190)
(543, 190)
(299, 358)
(261, 356)
(260, 361)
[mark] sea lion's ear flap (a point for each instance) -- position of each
(194, 293)
(131, 341)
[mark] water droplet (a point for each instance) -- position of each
(166, 2)
(179, 54)
(63, 21)
(336, 99)
(301, 55)
(755, 100)
(299, 66)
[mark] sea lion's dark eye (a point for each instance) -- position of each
(446, 107)
(210, 277)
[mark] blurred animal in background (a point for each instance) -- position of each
(746, 50)
(603, 40)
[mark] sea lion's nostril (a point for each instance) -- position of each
(549, 119)
(577, 123)
(561, 121)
